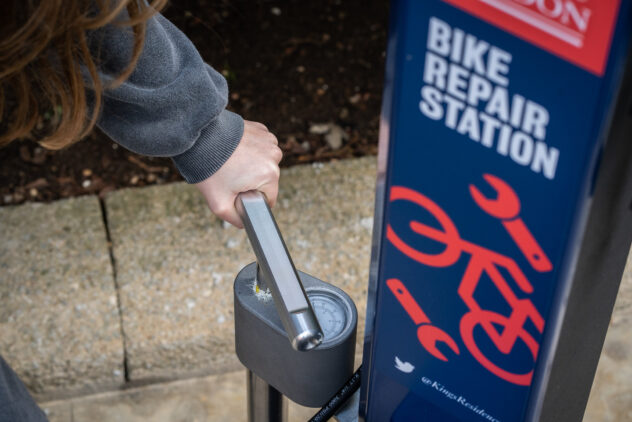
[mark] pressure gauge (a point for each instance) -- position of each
(332, 311)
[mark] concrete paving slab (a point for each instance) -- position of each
(176, 263)
(216, 398)
(58, 411)
(611, 395)
(58, 316)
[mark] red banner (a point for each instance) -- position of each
(579, 31)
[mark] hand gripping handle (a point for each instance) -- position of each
(275, 270)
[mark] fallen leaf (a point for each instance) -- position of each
(335, 137)
(320, 128)
(37, 183)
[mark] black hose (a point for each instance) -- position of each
(340, 398)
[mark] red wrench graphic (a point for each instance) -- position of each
(427, 334)
(506, 207)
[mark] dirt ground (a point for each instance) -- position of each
(311, 71)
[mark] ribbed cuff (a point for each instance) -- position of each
(214, 146)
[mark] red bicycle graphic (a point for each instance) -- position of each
(483, 261)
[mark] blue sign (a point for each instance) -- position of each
(493, 117)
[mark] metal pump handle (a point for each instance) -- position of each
(276, 270)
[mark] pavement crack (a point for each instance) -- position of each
(104, 216)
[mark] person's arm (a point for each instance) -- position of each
(174, 105)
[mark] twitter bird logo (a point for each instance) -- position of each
(405, 367)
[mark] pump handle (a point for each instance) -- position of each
(276, 271)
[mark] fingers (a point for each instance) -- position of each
(256, 124)
(272, 192)
(270, 184)
(268, 137)
(260, 132)
(254, 165)
(220, 201)
(276, 154)
(234, 219)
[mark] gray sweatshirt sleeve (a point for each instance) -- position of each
(172, 105)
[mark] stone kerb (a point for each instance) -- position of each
(59, 323)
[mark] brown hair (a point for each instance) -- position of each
(43, 46)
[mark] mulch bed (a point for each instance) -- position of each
(311, 71)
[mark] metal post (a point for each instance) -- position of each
(265, 403)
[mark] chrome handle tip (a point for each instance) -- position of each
(307, 340)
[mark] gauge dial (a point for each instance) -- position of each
(330, 313)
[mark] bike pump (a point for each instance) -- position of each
(293, 332)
